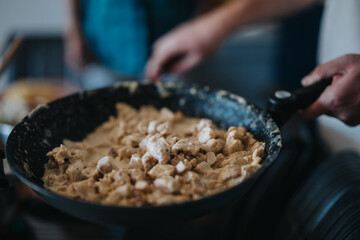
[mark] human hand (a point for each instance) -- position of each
(183, 48)
(342, 98)
(77, 53)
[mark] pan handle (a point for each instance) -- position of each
(6, 179)
(3, 180)
(283, 104)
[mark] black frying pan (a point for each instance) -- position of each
(75, 116)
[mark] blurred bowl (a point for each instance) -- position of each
(26, 94)
(5, 130)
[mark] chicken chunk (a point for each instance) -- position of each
(135, 161)
(74, 171)
(233, 140)
(211, 158)
(159, 149)
(148, 161)
(125, 190)
(161, 170)
(137, 175)
(125, 152)
(213, 145)
(152, 126)
(237, 158)
(141, 185)
(104, 165)
(181, 167)
(89, 172)
(187, 146)
(125, 111)
(163, 128)
(230, 171)
(203, 168)
(60, 154)
(168, 115)
(232, 145)
(132, 140)
(205, 134)
(85, 189)
(204, 123)
(121, 177)
(142, 126)
(167, 184)
(118, 132)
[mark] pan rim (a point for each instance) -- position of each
(270, 158)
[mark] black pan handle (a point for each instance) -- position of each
(3, 180)
(6, 180)
(283, 104)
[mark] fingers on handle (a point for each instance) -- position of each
(325, 70)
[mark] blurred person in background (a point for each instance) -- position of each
(110, 40)
(191, 43)
(118, 34)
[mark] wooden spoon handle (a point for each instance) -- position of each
(10, 52)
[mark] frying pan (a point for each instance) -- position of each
(75, 116)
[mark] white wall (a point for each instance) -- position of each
(31, 16)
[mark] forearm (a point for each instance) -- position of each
(73, 7)
(192, 42)
(240, 13)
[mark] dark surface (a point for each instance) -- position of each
(326, 206)
(298, 44)
(75, 116)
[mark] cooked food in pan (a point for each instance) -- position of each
(151, 157)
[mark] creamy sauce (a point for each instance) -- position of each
(151, 157)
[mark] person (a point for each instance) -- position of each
(119, 34)
(341, 99)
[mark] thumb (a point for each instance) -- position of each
(314, 110)
(325, 70)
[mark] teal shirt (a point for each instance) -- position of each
(121, 32)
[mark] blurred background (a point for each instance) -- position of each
(252, 63)
(257, 53)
